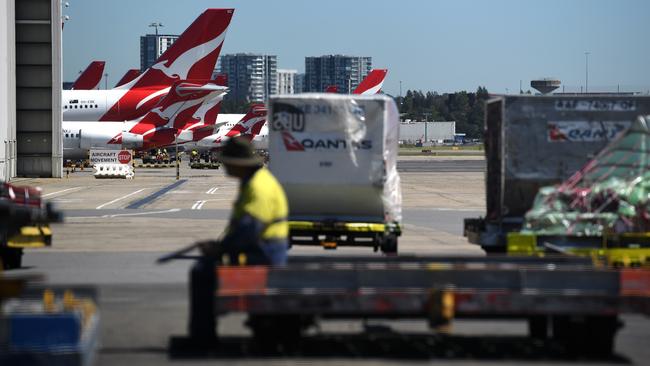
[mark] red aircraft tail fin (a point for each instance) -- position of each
(130, 75)
(251, 123)
(91, 77)
(372, 83)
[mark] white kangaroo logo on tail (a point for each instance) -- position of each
(182, 64)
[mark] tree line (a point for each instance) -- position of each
(463, 107)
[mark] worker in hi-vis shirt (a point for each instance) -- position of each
(256, 234)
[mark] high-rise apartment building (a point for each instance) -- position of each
(152, 46)
(299, 83)
(287, 81)
(251, 77)
(344, 72)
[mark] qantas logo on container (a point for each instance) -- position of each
(291, 143)
(308, 143)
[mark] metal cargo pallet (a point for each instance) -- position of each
(563, 298)
(405, 288)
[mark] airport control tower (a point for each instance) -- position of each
(545, 85)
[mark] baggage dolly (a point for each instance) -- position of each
(564, 299)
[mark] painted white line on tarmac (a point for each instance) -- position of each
(212, 190)
(142, 213)
(197, 205)
(118, 199)
(57, 192)
(128, 214)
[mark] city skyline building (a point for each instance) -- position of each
(299, 83)
(252, 77)
(287, 81)
(343, 71)
(152, 46)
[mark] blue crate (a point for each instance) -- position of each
(44, 331)
(81, 353)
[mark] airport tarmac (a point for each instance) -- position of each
(115, 229)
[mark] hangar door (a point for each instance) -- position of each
(38, 88)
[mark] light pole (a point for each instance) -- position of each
(7, 164)
(587, 72)
(156, 25)
(178, 165)
(401, 101)
(426, 125)
(106, 81)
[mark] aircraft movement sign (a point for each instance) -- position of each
(110, 157)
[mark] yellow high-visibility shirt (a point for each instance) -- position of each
(263, 198)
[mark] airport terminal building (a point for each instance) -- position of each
(427, 132)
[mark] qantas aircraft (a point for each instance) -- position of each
(91, 77)
(372, 83)
(189, 106)
(206, 129)
(192, 57)
(249, 124)
(130, 75)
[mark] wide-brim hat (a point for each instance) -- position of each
(239, 151)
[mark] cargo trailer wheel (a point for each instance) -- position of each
(538, 327)
(587, 335)
(389, 244)
(12, 258)
(493, 249)
(273, 330)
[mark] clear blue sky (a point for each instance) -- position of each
(433, 45)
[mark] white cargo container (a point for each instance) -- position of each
(336, 156)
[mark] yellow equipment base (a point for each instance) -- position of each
(31, 237)
(619, 250)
